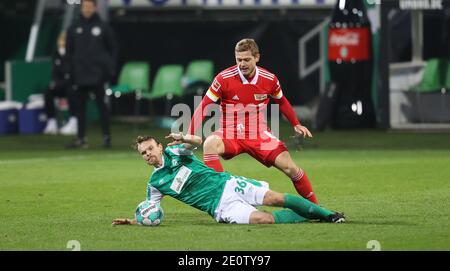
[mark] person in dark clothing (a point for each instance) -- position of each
(92, 52)
(60, 87)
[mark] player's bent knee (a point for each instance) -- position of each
(290, 169)
(258, 217)
(285, 163)
(293, 170)
(272, 198)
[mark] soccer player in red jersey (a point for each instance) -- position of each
(244, 91)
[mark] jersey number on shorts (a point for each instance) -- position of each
(241, 184)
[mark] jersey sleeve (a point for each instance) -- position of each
(153, 194)
(179, 150)
(276, 92)
(215, 89)
(198, 117)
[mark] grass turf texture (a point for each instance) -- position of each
(394, 188)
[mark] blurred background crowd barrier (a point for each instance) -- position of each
(342, 64)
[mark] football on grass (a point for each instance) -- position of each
(149, 213)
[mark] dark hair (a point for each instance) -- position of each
(141, 139)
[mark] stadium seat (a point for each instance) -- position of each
(199, 73)
(166, 84)
(133, 77)
(430, 81)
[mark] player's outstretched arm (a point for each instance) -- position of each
(289, 113)
(190, 141)
(198, 117)
(123, 221)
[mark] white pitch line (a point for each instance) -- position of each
(63, 158)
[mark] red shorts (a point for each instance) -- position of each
(265, 148)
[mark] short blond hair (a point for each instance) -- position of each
(247, 45)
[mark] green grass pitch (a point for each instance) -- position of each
(393, 187)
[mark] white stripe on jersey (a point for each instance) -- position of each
(230, 75)
(225, 73)
(153, 194)
(267, 74)
(180, 151)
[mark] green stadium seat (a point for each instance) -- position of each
(167, 83)
(133, 77)
(431, 81)
(199, 75)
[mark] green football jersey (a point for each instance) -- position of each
(185, 178)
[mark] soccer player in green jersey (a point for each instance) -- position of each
(227, 198)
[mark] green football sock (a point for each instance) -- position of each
(288, 216)
(305, 208)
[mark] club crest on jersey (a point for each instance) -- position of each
(260, 97)
(174, 162)
(215, 85)
(96, 31)
(240, 128)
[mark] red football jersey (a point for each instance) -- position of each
(244, 103)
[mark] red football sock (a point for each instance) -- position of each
(212, 161)
(303, 186)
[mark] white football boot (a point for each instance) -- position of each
(52, 127)
(70, 128)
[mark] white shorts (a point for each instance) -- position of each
(239, 197)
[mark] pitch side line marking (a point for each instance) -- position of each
(63, 158)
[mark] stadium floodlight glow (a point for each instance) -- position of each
(360, 108)
(357, 107)
(109, 92)
(73, 2)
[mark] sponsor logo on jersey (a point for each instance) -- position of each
(180, 179)
(260, 97)
(215, 85)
